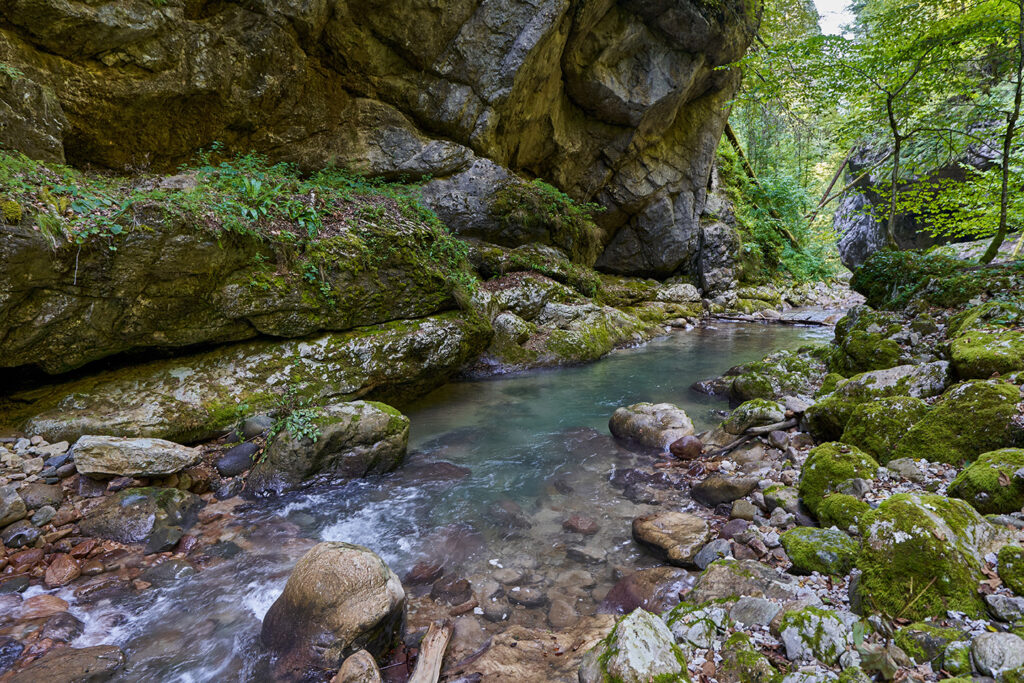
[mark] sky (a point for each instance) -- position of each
(833, 14)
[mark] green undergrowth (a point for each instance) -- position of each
(305, 220)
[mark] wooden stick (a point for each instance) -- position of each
(768, 429)
(428, 664)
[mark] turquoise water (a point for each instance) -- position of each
(523, 453)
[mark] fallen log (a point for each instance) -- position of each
(428, 664)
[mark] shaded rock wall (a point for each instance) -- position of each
(615, 102)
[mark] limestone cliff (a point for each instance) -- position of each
(619, 103)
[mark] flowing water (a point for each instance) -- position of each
(494, 468)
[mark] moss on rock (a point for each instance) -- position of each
(756, 412)
(1011, 567)
(841, 510)
(826, 551)
(862, 342)
(785, 373)
(989, 483)
(828, 466)
(971, 418)
(876, 427)
(925, 642)
(920, 556)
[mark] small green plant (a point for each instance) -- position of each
(10, 71)
(296, 416)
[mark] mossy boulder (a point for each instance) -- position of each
(816, 633)
(785, 373)
(863, 342)
(971, 418)
(639, 649)
(1011, 567)
(925, 642)
(339, 441)
(826, 551)
(876, 427)
(921, 556)
(190, 398)
(742, 663)
(989, 483)
(754, 413)
(841, 510)
(827, 418)
(987, 340)
(828, 466)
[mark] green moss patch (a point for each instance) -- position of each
(828, 466)
(1011, 567)
(826, 551)
(841, 510)
(876, 427)
(989, 483)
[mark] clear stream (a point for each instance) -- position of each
(529, 447)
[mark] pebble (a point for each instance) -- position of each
(43, 515)
(997, 653)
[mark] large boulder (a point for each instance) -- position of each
(103, 456)
(653, 425)
(346, 440)
(339, 599)
(971, 418)
(863, 342)
(991, 484)
(640, 648)
(727, 578)
(827, 467)
(675, 537)
(922, 554)
(754, 413)
(781, 374)
(877, 426)
(157, 517)
(187, 399)
(402, 88)
(987, 341)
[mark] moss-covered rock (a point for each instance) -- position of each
(754, 413)
(828, 466)
(785, 373)
(926, 642)
(1011, 568)
(816, 633)
(10, 212)
(841, 510)
(862, 342)
(921, 556)
(956, 659)
(983, 353)
(742, 663)
(826, 551)
(639, 649)
(876, 427)
(827, 418)
(971, 418)
(989, 483)
(188, 399)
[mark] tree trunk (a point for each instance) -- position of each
(1011, 126)
(897, 139)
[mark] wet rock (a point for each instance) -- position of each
(586, 554)
(508, 514)
(997, 653)
(43, 515)
(338, 599)
(38, 495)
(424, 572)
(12, 507)
(153, 516)
(20, 534)
(451, 590)
(99, 663)
(672, 536)
(131, 457)
(42, 606)
(167, 573)
(10, 650)
(641, 648)
(63, 628)
(495, 610)
(358, 668)
(655, 590)
(687, 448)
(827, 551)
(63, 570)
(578, 524)
(715, 550)
(562, 613)
(719, 488)
(355, 439)
(653, 425)
(237, 459)
(527, 596)
(13, 584)
(257, 425)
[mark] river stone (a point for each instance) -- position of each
(355, 439)
(997, 653)
(725, 579)
(673, 536)
(358, 668)
(653, 425)
(750, 611)
(722, 488)
(817, 633)
(715, 550)
(12, 507)
(101, 456)
(641, 648)
(38, 495)
(340, 598)
(157, 517)
(20, 534)
(89, 664)
(237, 459)
(754, 413)
(827, 551)
(656, 590)
(1005, 607)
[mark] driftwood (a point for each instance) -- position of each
(750, 435)
(774, 321)
(428, 664)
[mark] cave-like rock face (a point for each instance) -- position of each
(613, 102)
